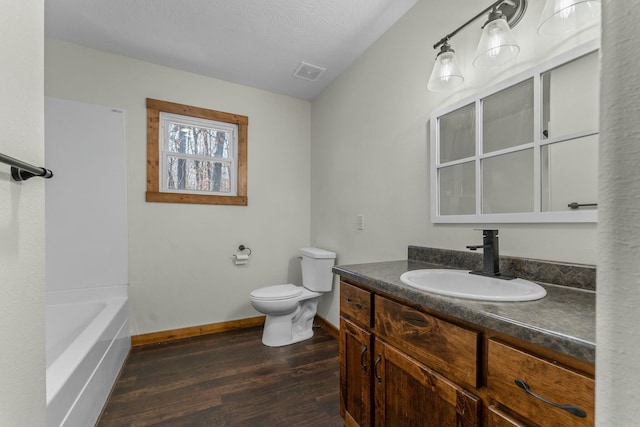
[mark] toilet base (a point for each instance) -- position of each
(290, 328)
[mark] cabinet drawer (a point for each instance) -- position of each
(355, 304)
(443, 346)
(497, 418)
(552, 382)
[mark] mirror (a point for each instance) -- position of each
(525, 150)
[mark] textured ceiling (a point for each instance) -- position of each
(258, 43)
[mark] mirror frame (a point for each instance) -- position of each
(537, 215)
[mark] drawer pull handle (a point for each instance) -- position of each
(569, 408)
(355, 304)
(375, 369)
(362, 353)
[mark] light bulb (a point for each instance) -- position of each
(497, 45)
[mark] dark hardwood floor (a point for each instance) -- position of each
(228, 379)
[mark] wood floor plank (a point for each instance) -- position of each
(228, 379)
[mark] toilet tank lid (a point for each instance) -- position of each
(317, 253)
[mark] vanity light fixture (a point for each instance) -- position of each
(565, 16)
(497, 44)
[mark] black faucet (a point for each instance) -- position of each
(491, 255)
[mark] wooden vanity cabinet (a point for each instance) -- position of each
(395, 382)
(355, 356)
(401, 366)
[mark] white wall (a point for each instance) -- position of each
(617, 373)
(369, 152)
(22, 365)
(180, 267)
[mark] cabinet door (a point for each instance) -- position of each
(408, 393)
(355, 375)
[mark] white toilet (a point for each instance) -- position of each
(290, 309)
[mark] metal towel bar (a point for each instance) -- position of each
(21, 171)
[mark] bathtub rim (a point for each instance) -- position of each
(61, 369)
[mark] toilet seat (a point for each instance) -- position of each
(277, 292)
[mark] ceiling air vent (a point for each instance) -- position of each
(308, 71)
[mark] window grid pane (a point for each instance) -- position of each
(569, 173)
(457, 189)
(570, 97)
(458, 134)
(198, 141)
(198, 175)
(507, 183)
(508, 117)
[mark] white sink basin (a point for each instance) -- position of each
(461, 284)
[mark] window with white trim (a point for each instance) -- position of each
(198, 156)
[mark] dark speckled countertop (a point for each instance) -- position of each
(563, 321)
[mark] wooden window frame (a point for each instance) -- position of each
(153, 194)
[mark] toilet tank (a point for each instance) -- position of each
(316, 269)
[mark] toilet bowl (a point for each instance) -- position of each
(290, 309)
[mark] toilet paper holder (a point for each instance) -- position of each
(243, 248)
(241, 257)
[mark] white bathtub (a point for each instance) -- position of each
(88, 339)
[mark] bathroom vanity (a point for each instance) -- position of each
(408, 357)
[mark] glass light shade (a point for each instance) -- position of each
(497, 45)
(446, 72)
(565, 16)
